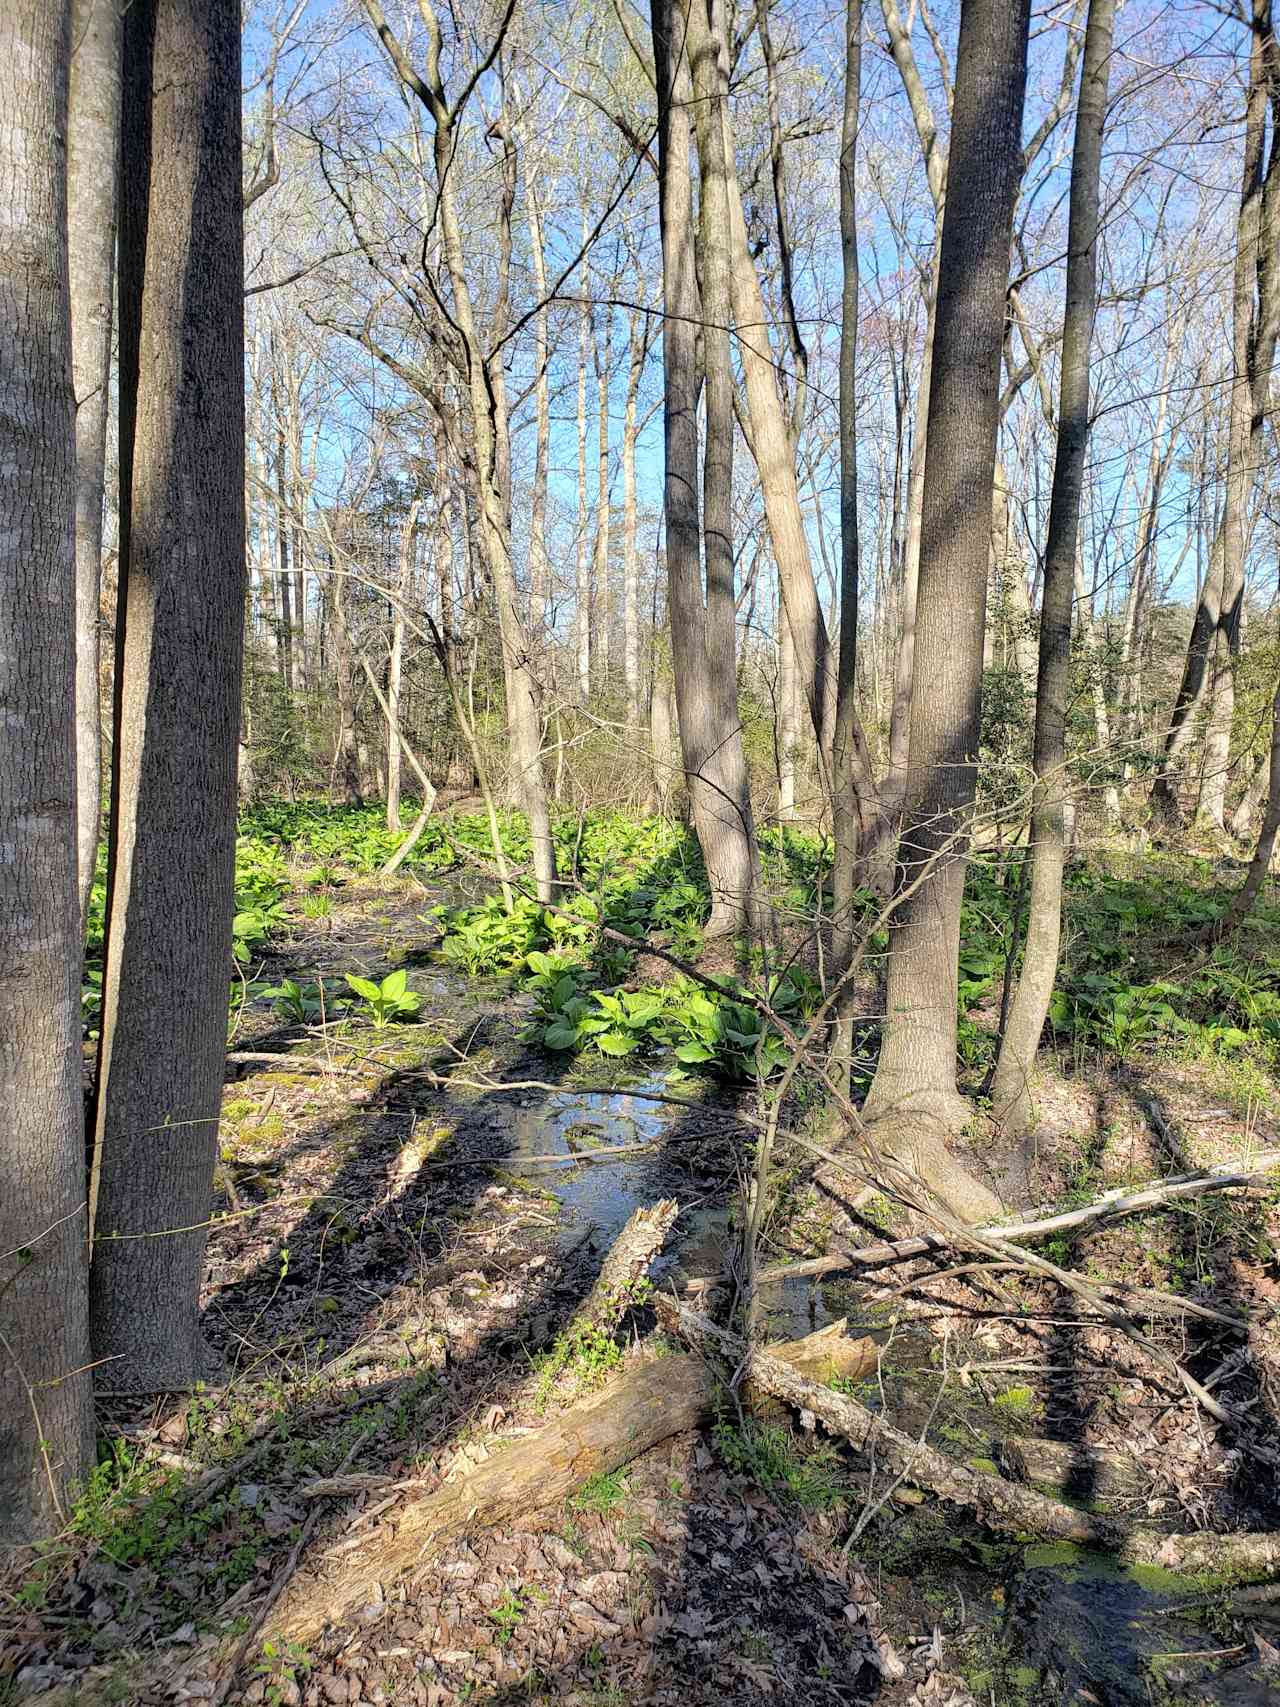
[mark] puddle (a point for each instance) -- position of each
(573, 1124)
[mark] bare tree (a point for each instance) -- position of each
(486, 396)
(46, 1416)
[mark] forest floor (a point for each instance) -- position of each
(398, 1245)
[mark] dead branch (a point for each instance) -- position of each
(995, 1502)
(1124, 1200)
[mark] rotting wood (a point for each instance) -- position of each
(1073, 1468)
(645, 1405)
(1000, 1505)
(1124, 1200)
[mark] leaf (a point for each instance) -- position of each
(615, 1043)
(560, 1036)
(691, 1052)
(540, 962)
(364, 987)
(395, 983)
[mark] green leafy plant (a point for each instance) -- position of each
(388, 1001)
(305, 1004)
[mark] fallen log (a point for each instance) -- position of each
(1123, 1200)
(1072, 1468)
(659, 1398)
(998, 1504)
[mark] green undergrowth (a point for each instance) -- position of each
(1136, 974)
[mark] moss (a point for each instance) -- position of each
(1017, 1405)
(988, 1465)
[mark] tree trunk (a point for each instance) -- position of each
(703, 630)
(539, 567)
(916, 1075)
(46, 1416)
(600, 612)
(1243, 899)
(845, 808)
(630, 563)
(178, 652)
(93, 142)
(583, 582)
(395, 664)
(1253, 342)
(1011, 1088)
(346, 752)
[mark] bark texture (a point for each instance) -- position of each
(1011, 1088)
(46, 1419)
(177, 710)
(93, 139)
(702, 625)
(916, 1076)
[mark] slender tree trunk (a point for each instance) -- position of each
(1242, 901)
(539, 566)
(600, 615)
(705, 676)
(93, 141)
(178, 650)
(845, 807)
(1011, 1088)
(1097, 684)
(346, 753)
(1253, 342)
(583, 583)
(46, 1414)
(630, 561)
(788, 720)
(395, 664)
(915, 1080)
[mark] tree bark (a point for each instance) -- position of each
(177, 712)
(639, 340)
(845, 812)
(93, 145)
(705, 676)
(916, 1074)
(582, 606)
(600, 612)
(46, 1416)
(1011, 1099)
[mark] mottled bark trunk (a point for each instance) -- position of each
(46, 1416)
(1011, 1088)
(93, 144)
(178, 652)
(916, 1075)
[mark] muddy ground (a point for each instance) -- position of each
(398, 1244)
